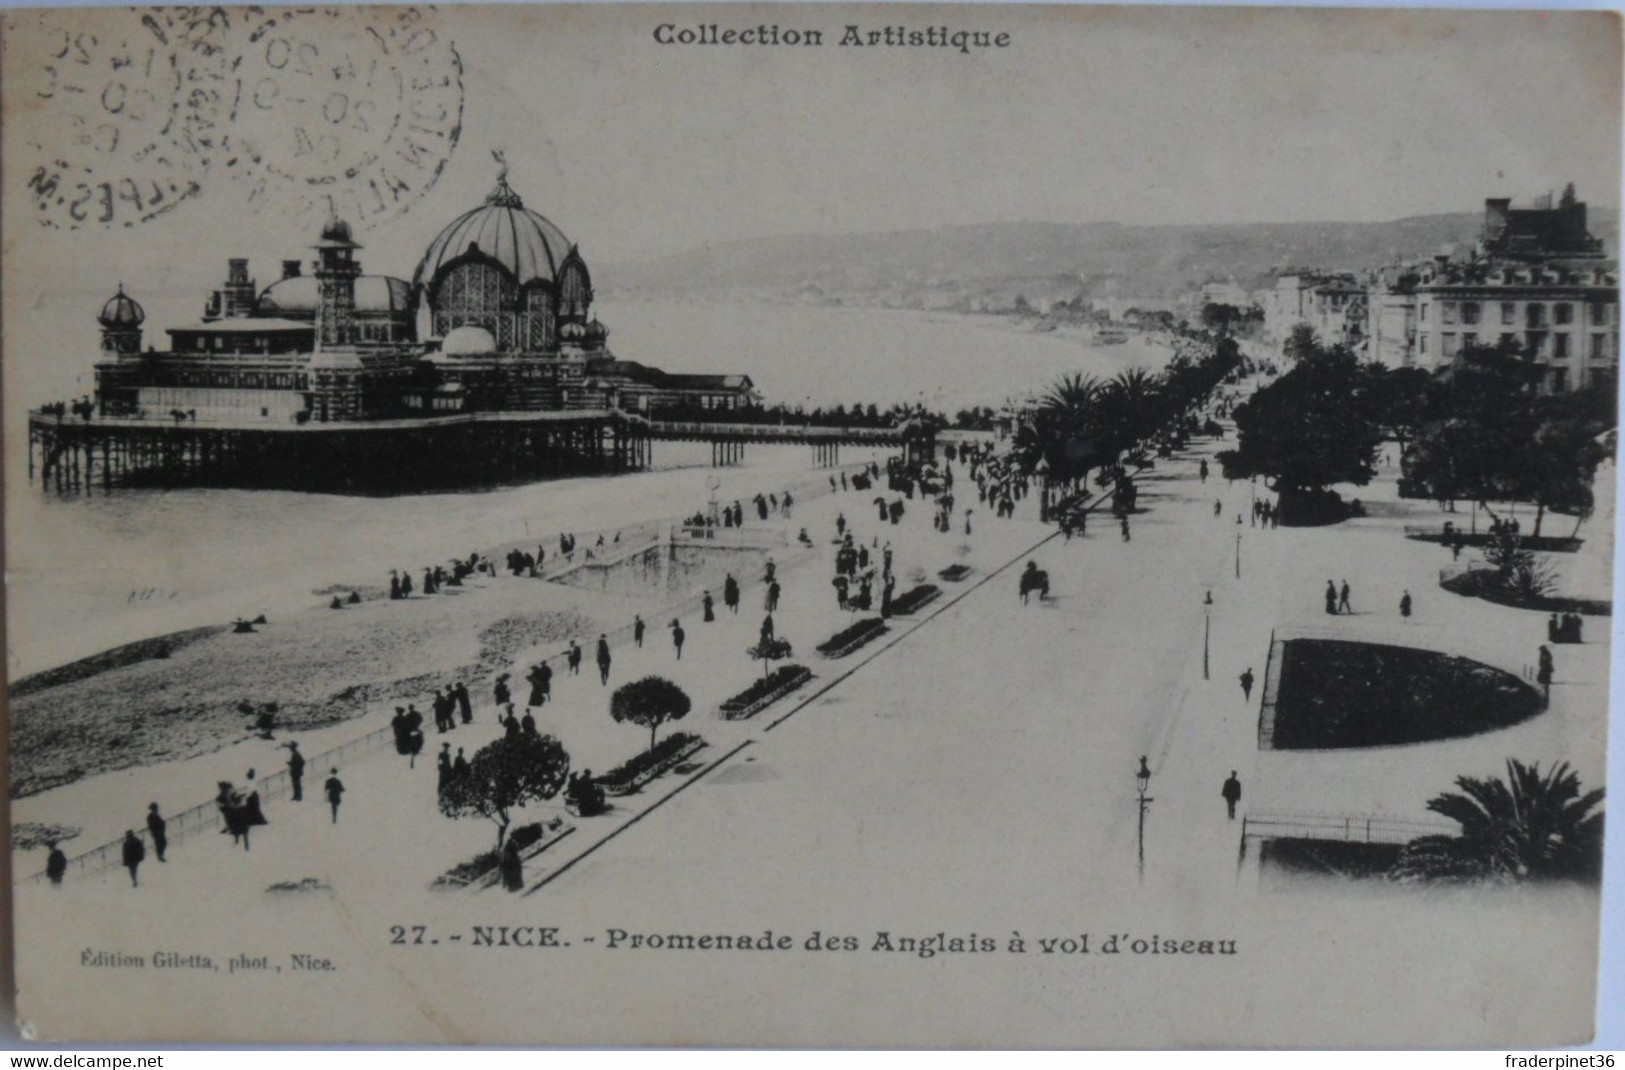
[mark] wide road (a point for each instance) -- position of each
(978, 779)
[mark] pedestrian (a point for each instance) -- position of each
(1331, 597)
(573, 658)
(1204, 471)
(465, 706)
(134, 852)
(773, 591)
(677, 637)
(1232, 794)
(730, 593)
(1123, 522)
(296, 777)
(637, 631)
(501, 693)
(335, 792)
(1247, 683)
(459, 765)
(603, 659)
(1405, 605)
(1343, 599)
(768, 631)
(443, 767)
(709, 607)
(512, 867)
(1543, 676)
(159, 829)
(56, 864)
(1218, 507)
(1143, 774)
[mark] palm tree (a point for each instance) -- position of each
(1527, 827)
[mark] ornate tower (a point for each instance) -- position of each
(336, 271)
(121, 320)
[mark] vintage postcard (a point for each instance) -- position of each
(809, 525)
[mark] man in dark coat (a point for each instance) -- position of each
(335, 792)
(512, 867)
(603, 659)
(459, 766)
(134, 852)
(541, 684)
(465, 706)
(677, 637)
(1247, 683)
(159, 829)
(443, 767)
(296, 777)
(56, 863)
(574, 658)
(730, 593)
(1232, 794)
(637, 631)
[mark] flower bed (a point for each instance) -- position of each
(954, 573)
(637, 771)
(764, 692)
(847, 640)
(1482, 583)
(484, 864)
(913, 599)
(1336, 694)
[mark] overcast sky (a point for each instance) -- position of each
(1143, 116)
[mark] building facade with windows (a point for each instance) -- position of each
(1538, 281)
(496, 318)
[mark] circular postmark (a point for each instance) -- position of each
(121, 112)
(342, 111)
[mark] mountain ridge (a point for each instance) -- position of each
(978, 262)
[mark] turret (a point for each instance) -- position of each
(121, 318)
(336, 272)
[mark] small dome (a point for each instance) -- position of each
(121, 311)
(336, 230)
(468, 342)
(597, 331)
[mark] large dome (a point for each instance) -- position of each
(299, 296)
(526, 244)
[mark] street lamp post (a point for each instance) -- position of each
(1207, 630)
(1142, 781)
(1238, 555)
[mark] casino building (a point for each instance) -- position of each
(497, 318)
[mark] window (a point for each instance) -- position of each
(1447, 345)
(1509, 313)
(1447, 311)
(1469, 312)
(1535, 342)
(1562, 312)
(1424, 311)
(1534, 314)
(1599, 347)
(1424, 348)
(1560, 346)
(1469, 339)
(1560, 380)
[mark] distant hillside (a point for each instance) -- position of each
(964, 266)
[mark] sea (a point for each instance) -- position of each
(90, 572)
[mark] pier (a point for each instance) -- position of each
(72, 454)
